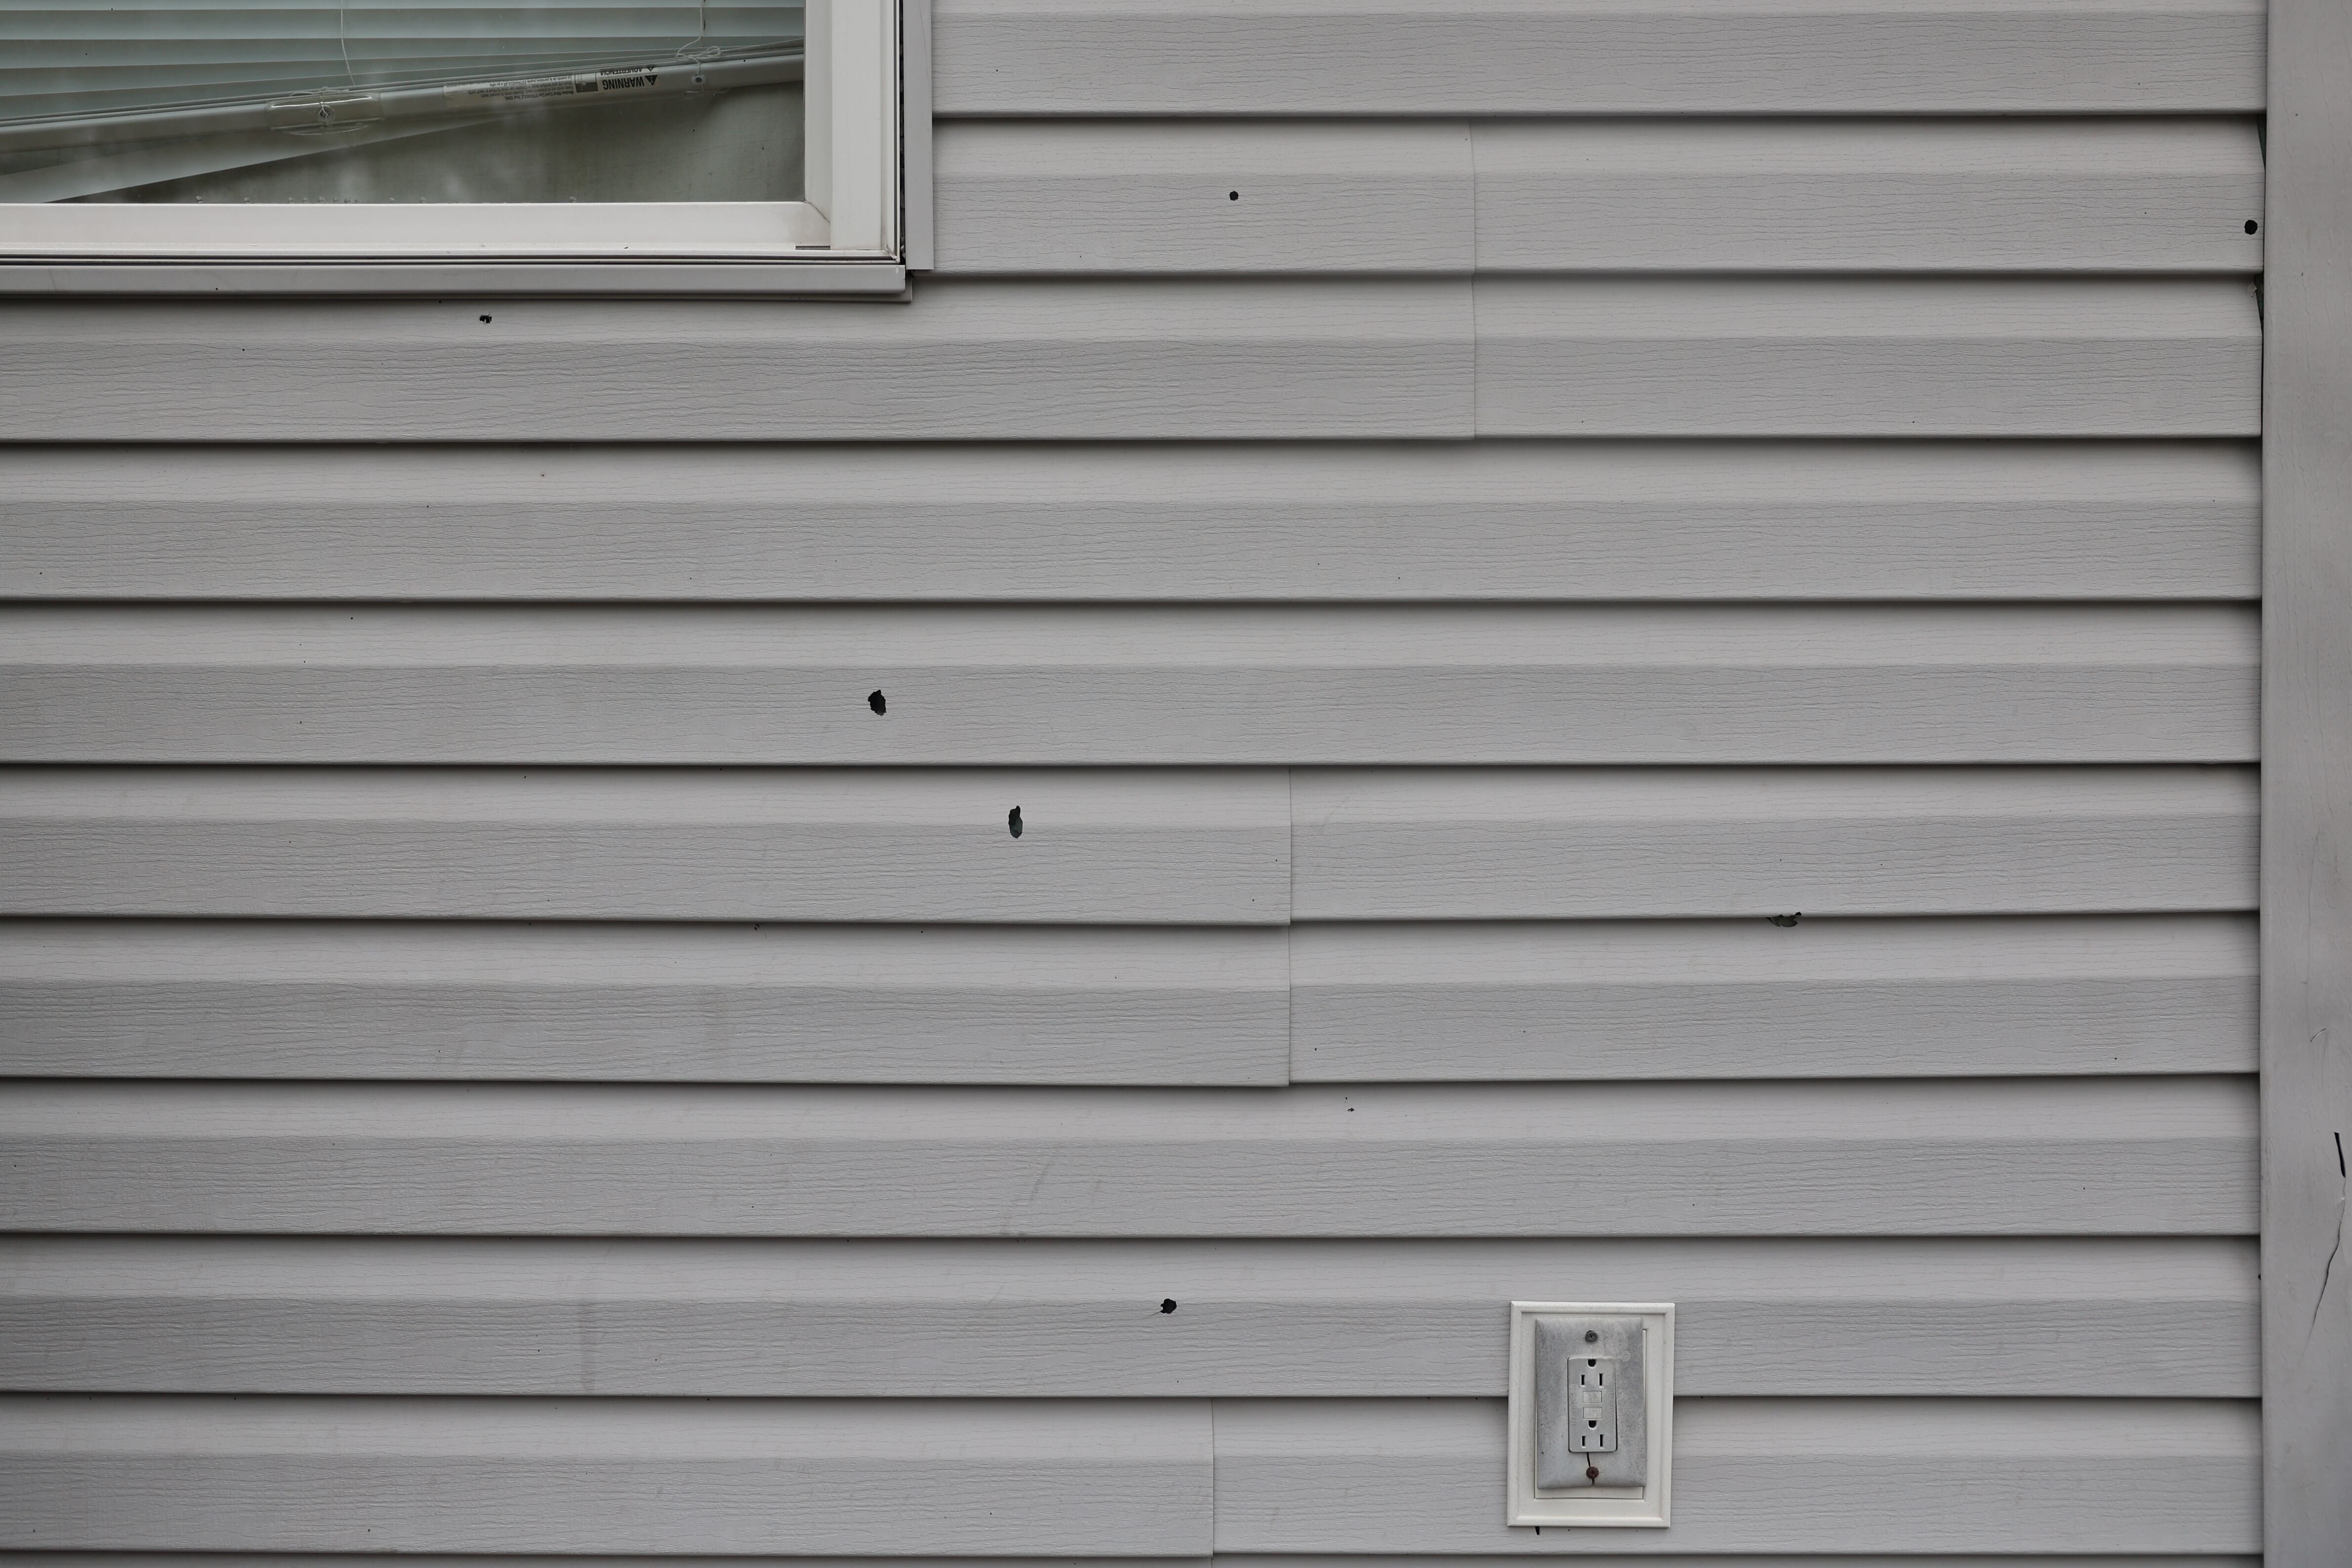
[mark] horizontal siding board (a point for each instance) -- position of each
(1211, 848)
(2170, 1157)
(1121, 196)
(1138, 685)
(2079, 1317)
(1990, 1475)
(1508, 520)
(1809, 356)
(1162, 197)
(1233, 1560)
(1158, 361)
(1479, 844)
(1984, 196)
(976, 1005)
(930, 847)
(1608, 1553)
(601, 1560)
(776, 1003)
(1824, 999)
(1646, 56)
(1182, 359)
(531, 1476)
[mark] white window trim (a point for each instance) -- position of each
(849, 238)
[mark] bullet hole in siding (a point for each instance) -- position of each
(1786, 919)
(876, 701)
(1012, 820)
(1232, 195)
(486, 320)
(1168, 1304)
(2253, 227)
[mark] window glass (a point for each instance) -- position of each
(584, 101)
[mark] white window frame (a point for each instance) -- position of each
(866, 91)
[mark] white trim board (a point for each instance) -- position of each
(2306, 912)
(854, 214)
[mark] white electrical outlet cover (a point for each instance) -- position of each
(1636, 1508)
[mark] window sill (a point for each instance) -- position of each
(863, 278)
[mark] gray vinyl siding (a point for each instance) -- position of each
(1448, 521)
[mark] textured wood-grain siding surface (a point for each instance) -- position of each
(1107, 358)
(1082, 196)
(2066, 1157)
(1229, 1559)
(1136, 847)
(1159, 685)
(1228, 57)
(880, 1004)
(1089, 1318)
(1624, 632)
(1025, 361)
(1484, 520)
(1825, 998)
(1516, 843)
(1660, 357)
(1130, 848)
(2080, 1476)
(1352, 1003)
(650, 1475)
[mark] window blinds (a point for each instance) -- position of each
(91, 74)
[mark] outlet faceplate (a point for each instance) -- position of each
(1592, 1427)
(1592, 1412)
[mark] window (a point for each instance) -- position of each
(539, 142)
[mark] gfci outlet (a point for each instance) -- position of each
(1591, 1413)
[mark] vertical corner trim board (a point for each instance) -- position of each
(2306, 1046)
